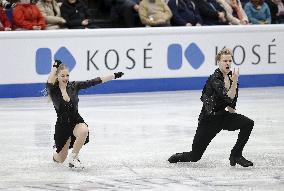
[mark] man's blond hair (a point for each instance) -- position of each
(224, 51)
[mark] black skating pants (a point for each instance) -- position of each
(211, 125)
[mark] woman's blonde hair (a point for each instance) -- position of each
(61, 67)
(224, 51)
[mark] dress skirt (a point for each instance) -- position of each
(64, 127)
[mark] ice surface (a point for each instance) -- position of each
(132, 136)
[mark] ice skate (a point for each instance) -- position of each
(240, 160)
(179, 157)
(74, 161)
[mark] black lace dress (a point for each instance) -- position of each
(67, 112)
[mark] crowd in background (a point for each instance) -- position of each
(75, 14)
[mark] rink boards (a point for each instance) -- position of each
(153, 59)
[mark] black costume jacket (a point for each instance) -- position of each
(214, 95)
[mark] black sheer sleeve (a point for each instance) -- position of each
(88, 83)
(49, 88)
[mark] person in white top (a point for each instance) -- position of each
(234, 12)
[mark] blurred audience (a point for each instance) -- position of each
(77, 15)
(74, 14)
(5, 24)
(211, 12)
(235, 13)
(125, 11)
(258, 12)
(154, 13)
(276, 8)
(27, 16)
(51, 13)
(6, 4)
(244, 2)
(185, 13)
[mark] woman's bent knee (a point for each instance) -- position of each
(81, 130)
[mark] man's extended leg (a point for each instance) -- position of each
(203, 136)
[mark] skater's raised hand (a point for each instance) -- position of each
(118, 75)
(52, 76)
(235, 76)
(57, 63)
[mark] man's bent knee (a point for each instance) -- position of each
(250, 124)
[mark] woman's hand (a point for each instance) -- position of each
(118, 75)
(57, 63)
(52, 76)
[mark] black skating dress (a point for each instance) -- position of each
(67, 112)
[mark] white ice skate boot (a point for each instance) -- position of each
(74, 161)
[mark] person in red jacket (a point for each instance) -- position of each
(28, 17)
(5, 25)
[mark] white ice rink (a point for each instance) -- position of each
(131, 138)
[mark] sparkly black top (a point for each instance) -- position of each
(214, 95)
(61, 106)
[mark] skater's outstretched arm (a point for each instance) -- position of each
(111, 77)
(98, 80)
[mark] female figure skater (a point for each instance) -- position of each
(220, 92)
(70, 130)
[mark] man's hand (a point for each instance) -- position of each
(231, 110)
(235, 76)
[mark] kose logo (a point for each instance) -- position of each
(193, 54)
(44, 59)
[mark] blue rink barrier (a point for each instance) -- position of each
(142, 85)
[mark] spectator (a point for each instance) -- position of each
(154, 13)
(61, 1)
(5, 25)
(244, 2)
(235, 14)
(51, 12)
(126, 10)
(6, 4)
(212, 12)
(27, 16)
(258, 12)
(185, 13)
(277, 11)
(76, 14)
